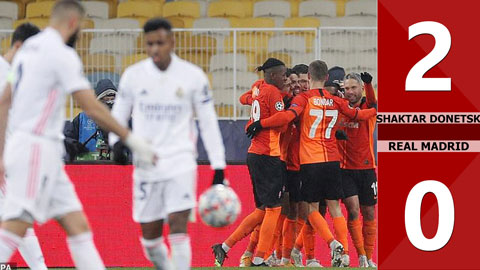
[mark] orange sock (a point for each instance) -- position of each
(299, 226)
(369, 236)
(321, 226)
(267, 230)
(309, 241)
(341, 232)
(246, 227)
(299, 240)
(276, 236)
(253, 239)
(289, 227)
(279, 242)
(355, 229)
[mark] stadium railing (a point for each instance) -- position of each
(228, 56)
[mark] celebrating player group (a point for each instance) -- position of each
(311, 134)
(312, 146)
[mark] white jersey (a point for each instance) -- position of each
(44, 72)
(163, 105)
(4, 68)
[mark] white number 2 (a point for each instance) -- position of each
(446, 215)
(443, 41)
(319, 115)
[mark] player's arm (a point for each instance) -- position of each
(369, 92)
(285, 117)
(354, 113)
(246, 98)
(209, 129)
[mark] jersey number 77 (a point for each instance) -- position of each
(319, 116)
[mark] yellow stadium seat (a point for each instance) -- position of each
(39, 22)
(177, 22)
(145, 9)
(87, 24)
(302, 22)
(39, 9)
(21, 8)
(83, 43)
(181, 9)
(227, 9)
(112, 7)
(201, 59)
(195, 43)
(5, 45)
(132, 59)
(248, 6)
(247, 43)
(187, 22)
(253, 23)
(98, 62)
(285, 58)
(341, 8)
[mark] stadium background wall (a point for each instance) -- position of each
(105, 191)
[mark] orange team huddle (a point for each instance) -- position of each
(312, 146)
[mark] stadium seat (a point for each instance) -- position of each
(142, 9)
(201, 59)
(96, 9)
(285, 58)
(361, 7)
(227, 9)
(188, 9)
(225, 62)
(317, 8)
(118, 23)
(112, 7)
(99, 62)
(83, 43)
(97, 76)
(287, 44)
(5, 23)
(39, 9)
(302, 58)
(350, 21)
(196, 43)
(187, 22)
(5, 45)
(253, 23)
(303, 22)
(341, 8)
(247, 43)
(132, 59)
(272, 9)
(119, 45)
(9, 10)
(177, 22)
(39, 22)
(212, 23)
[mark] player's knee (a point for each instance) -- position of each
(152, 230)
(74, 223)
(178, 221)
(16, 226)
(368, 212)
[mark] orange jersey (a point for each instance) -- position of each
(357, 153)
(293, 158)
(247, 97)
(284, 137)
(267, 103)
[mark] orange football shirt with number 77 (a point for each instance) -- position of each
(318, 112)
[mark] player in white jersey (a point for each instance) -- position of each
(44, 71)
(163, 94)
(29, 248)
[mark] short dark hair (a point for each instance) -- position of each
(290, 72)
(300, 69)
(24, 31)
(318, 70)
(63, 5)
(155, 24)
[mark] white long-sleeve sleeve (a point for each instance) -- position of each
(122, 108)
(208, 125)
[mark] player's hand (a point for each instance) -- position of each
(287, 101)
(341, 135)
(144, 154)
(218, 177)
(120, 153)
(366, 77)
(253, 129)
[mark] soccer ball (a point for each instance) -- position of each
(219, 206)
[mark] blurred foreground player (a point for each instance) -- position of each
(318, 111)
(162, 94)
(29, 248)
(44, 71)
(264, 166)
(357, 159)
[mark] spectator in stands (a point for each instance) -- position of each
(83, 133)
(334, 84)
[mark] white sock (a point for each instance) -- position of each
(225, 247)
(181, 250)
(156, 251)
(31, 251)
(9, 243)
(257, 260)
(84, 253)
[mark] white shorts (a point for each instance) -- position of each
(154, 200)
(36, 181)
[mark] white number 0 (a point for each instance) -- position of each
(319, 115)
(443, 41)
(446, 215)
